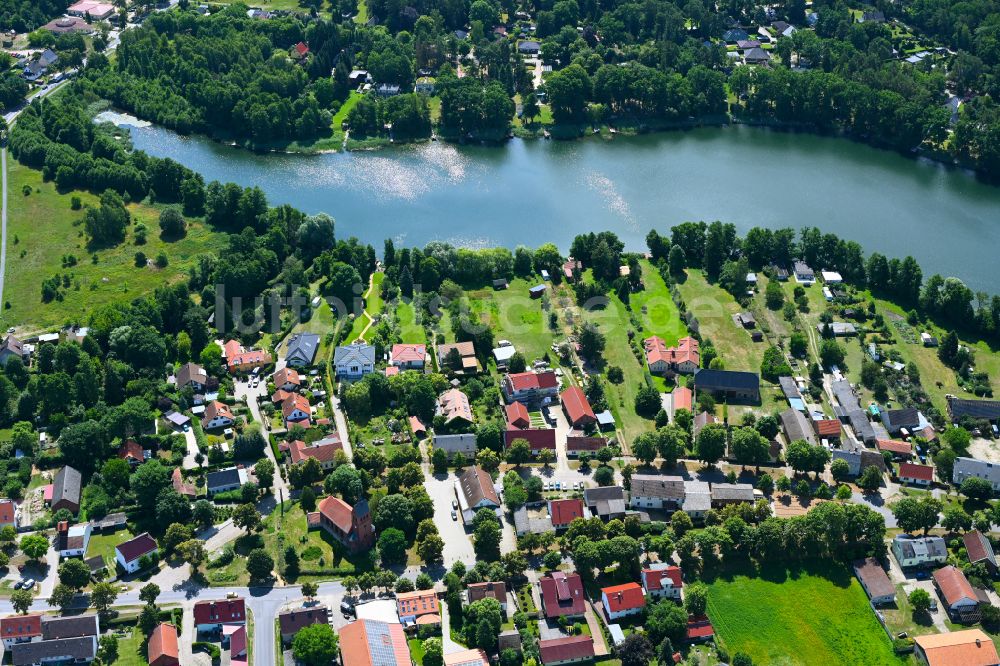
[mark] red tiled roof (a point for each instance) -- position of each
(455, 405)
(914, 471)
(954, 585)
(526, 381)
(565, 511)
(295, 401)
(301, 48)
(976, 547)
(971, 647)
(287, 375)
(162, 649)
(182, 488)
(133, 549)
(279, 396)
(417, 603)
(293, 620)
(322, 450)
(216, 408)
(687, 349)
(7, 512)
(416, 425)
(338, 512)
(495, 590)
(895, 446)
(356, 643)
(683, 398)
(517, 416)
(581, 443)
(562, 594)
(577, 406)
(827, 427)
(654, 577)
(220, 612)
(130, 450)
(21, 626)
(699, 626)
(624, 597)
(391, 370)
(537, 438)
(566, 649)
(408, 353)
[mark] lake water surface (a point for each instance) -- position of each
(531, 192)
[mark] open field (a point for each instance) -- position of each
(714, 308)
(131, 651)
(656, 309)
(515, 316)
(409, 329)
(43, 229)
(816, 614)
(373, 306)
(104, 545)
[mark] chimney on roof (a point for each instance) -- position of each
(63, 526)
(979, 643)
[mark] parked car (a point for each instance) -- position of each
(454, 504)
(29, 583)
(454, 515)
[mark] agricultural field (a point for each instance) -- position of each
(38, 251)
(816, 614)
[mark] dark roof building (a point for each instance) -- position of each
(300, 618)
(66, 490)
(302, 349)
(607, 502)
(980, 549)
(732, 384)
(960, 408)
(63, 650)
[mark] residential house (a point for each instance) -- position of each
(454, 406)
(97, 11)
(918, 475)
(131, 452)
(562, 595)
(458, 358)
(724, 494)
(959, 597)
(730, 384)
(408, 357)
(411, 606)
(681, 398)
(896, 420)
(917, 551)
(701, 419)
(875, 581)
(858, 461)
(129, 555)
(839, 329)
(20, 629)
(797, 426)
(301, 350)
(827, 430)
(502, 354)
(374, 643)
(417, 427)
(899, 450)
(517, 416)
(969, 467)
(528, 47)
(979, 549)
(803, 273)
(474, 657)
(568, 650)
(475, 491)
(193, 376)
(351, 526)
(464, 443)
(684, 358)
(565, 511)
(491, 589)
(970, 647)
(623, 600)
(734, 35)
(663, 582)
(530, 387)
(163, 648)
(699, 629)
(324, 451)
(72, 541)
(66, 490)
(579, 443)
(9, 514)
(181, 486)
(291, 621)
(652, 491)
(697, 499)
(607, 503)
(353, 362)
(295, 410)
(538, 439)
(210, 616)
(240, 359)
(217, 415)
(287, 379)
(570, 268)
(224, 480)
(425, 85)
(79, 650)
(535, 523)
(577, 408)
(756, 56)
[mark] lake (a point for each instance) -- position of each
(531, 192)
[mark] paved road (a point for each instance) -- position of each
(243, 389)
(457, 543)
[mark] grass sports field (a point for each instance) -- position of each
(816, 614)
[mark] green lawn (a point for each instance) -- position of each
(515, 316)
(104, 545)
(416, 651)
(714, 307)
(320, 557)
(817, 614)
(656, 309)
(131, 651)
(410, 331)
(43, 229)
(373, 306)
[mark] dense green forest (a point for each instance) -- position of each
(26, 15)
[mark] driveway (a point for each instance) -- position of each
(192, 449)
(244, 389)
(877, 503)
(457, 543)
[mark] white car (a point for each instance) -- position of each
(546, 486)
